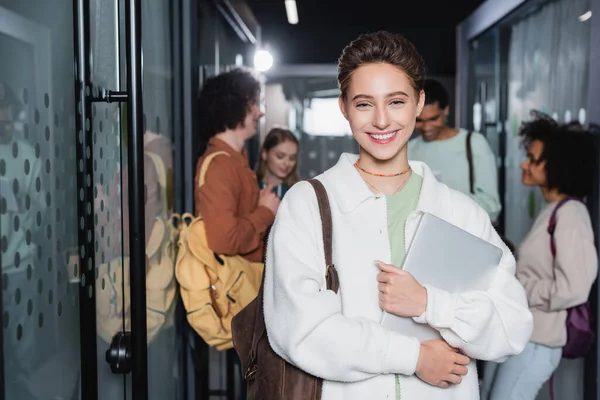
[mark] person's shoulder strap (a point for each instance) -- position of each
(327, 226)
(470, 161)
(160, 169)
(159, 166)
(552, 221)
(206, 163)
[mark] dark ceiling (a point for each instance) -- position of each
(326, 26)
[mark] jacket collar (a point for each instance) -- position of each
(349, 190)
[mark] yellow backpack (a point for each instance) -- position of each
(213, 287)
(161, 287)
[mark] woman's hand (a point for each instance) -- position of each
(399, 292)
(440, 364)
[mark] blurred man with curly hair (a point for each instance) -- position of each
(236, 213)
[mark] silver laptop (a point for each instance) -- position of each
(449, 258)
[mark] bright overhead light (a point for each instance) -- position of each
(291, 11)
(584, 17)
(263, 60)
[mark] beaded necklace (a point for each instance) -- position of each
(357, 165)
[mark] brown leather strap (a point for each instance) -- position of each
(470, 161)
(331, 275)
(327, 226)
(259, 328)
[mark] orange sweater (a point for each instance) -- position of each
(228, 202)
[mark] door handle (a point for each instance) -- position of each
(135, 174)
(118, 355)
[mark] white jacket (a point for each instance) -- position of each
(339, 337)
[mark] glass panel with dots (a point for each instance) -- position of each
(109, 180)
(39, 245)
(161, 290)
(38, 197)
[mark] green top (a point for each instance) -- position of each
(449, 163)
(399, 207)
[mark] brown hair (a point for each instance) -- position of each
(275, 137)
(381, 47)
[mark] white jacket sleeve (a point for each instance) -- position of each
(304, 321)
(486, 325)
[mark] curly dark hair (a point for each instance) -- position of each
(436, 92)
(225, 100)
(569, 151)
(381, 47)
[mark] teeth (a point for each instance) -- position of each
(383, 137)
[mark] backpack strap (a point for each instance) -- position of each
(202, 179)
(551, 230)
(162, 177)
(331, 275)
(470, 161)
(206, 163)
(552, 222)
(160, 169)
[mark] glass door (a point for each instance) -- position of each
(39, 221)
(487, 98)
(517, 66)
(159, 171)
(88, 288)
(107, 167)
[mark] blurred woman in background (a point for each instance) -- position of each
(278, 165)
(557, 261)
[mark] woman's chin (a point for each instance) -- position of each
(281, 177)
(383, 153)
(527, 182)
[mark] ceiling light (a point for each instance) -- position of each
(291, 11)
(584, 17)
(263, 60)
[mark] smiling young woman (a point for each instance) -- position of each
(377, 199)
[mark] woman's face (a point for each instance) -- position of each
(281, 159)
(534, 170)
(381, 107)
